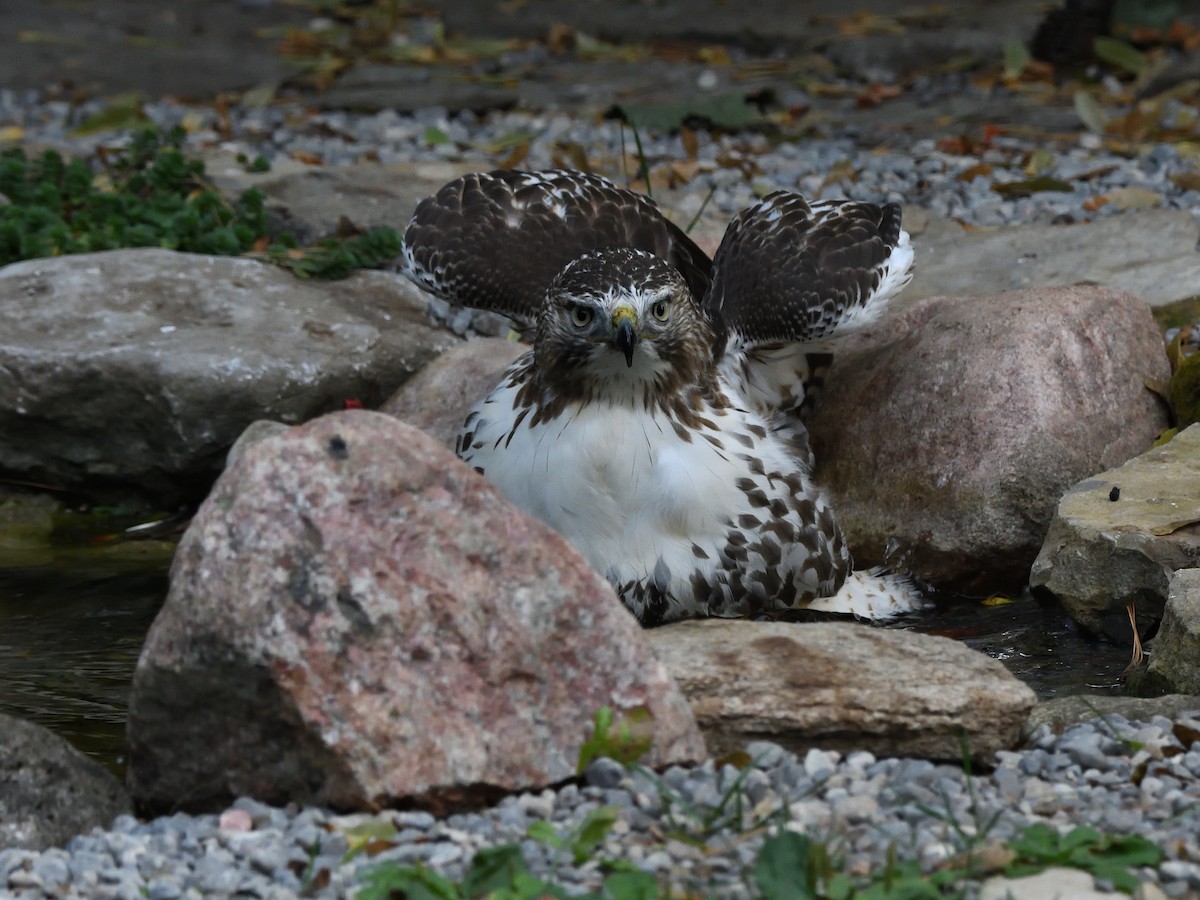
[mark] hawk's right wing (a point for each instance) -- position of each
(790, 274)
(495, 241)
(790, 271)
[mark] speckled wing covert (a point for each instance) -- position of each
(495, 241)
(792, 271)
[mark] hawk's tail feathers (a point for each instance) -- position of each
(874, 594)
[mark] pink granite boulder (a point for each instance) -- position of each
(356, 619)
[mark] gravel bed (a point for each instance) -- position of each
(698, 830)
(735, 168)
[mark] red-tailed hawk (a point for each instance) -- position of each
(655, 422)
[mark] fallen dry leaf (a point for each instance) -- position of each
(561, 38)
(715, 55)
(841, 171)
(875, 93)
(570, 155)
(863, 23)
(1189, 180)
(515, 156)
(307, 157)
(691, 144)
(1134, 198)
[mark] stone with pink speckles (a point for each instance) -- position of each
(356, 619)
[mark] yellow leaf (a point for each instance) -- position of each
(192, 122)
(121, 111)
(1165, 437)
(260, 95)
(1090, 113)
(1040, 160)
(841, 171)
(43, 37)
(1133, 198)
(998, 600)
(12, 133)
(1188, 180)
(360, 837)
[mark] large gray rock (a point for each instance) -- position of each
(955, 425)
(439, 397)
(1175, 661)
(307, 202)
(1100, 555)
(49, 791)
(140, 367)
(356, 619)
(1151, 253)
(842, 687)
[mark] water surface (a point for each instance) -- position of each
(69, 642)
(70, 636)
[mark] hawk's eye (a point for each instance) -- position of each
(581, 315)
(661, 310)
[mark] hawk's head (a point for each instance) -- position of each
(620, 323)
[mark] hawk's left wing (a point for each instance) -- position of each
(792, 271)
(496, 240)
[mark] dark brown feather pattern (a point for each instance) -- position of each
(788, 270)
(495, 241)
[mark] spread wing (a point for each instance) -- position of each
(495, 241)
(792, 271)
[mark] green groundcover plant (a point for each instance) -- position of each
(150, 194)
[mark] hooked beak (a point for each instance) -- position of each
(624, 327)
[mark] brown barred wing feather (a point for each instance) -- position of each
(495, 241)
(789, 270)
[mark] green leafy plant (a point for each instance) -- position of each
(582, 840)
(625, 737)
(146, 195)
(149, 194)
(337, 258)
(500, 873)
(793, 866)
(1105, 856)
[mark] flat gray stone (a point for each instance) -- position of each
(1151, 253)
(1101, 555)
(842, 687)
(137, 369)
(307, 202)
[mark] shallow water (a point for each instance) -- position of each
(1039, 643)
(69, 642)
(70, 638)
